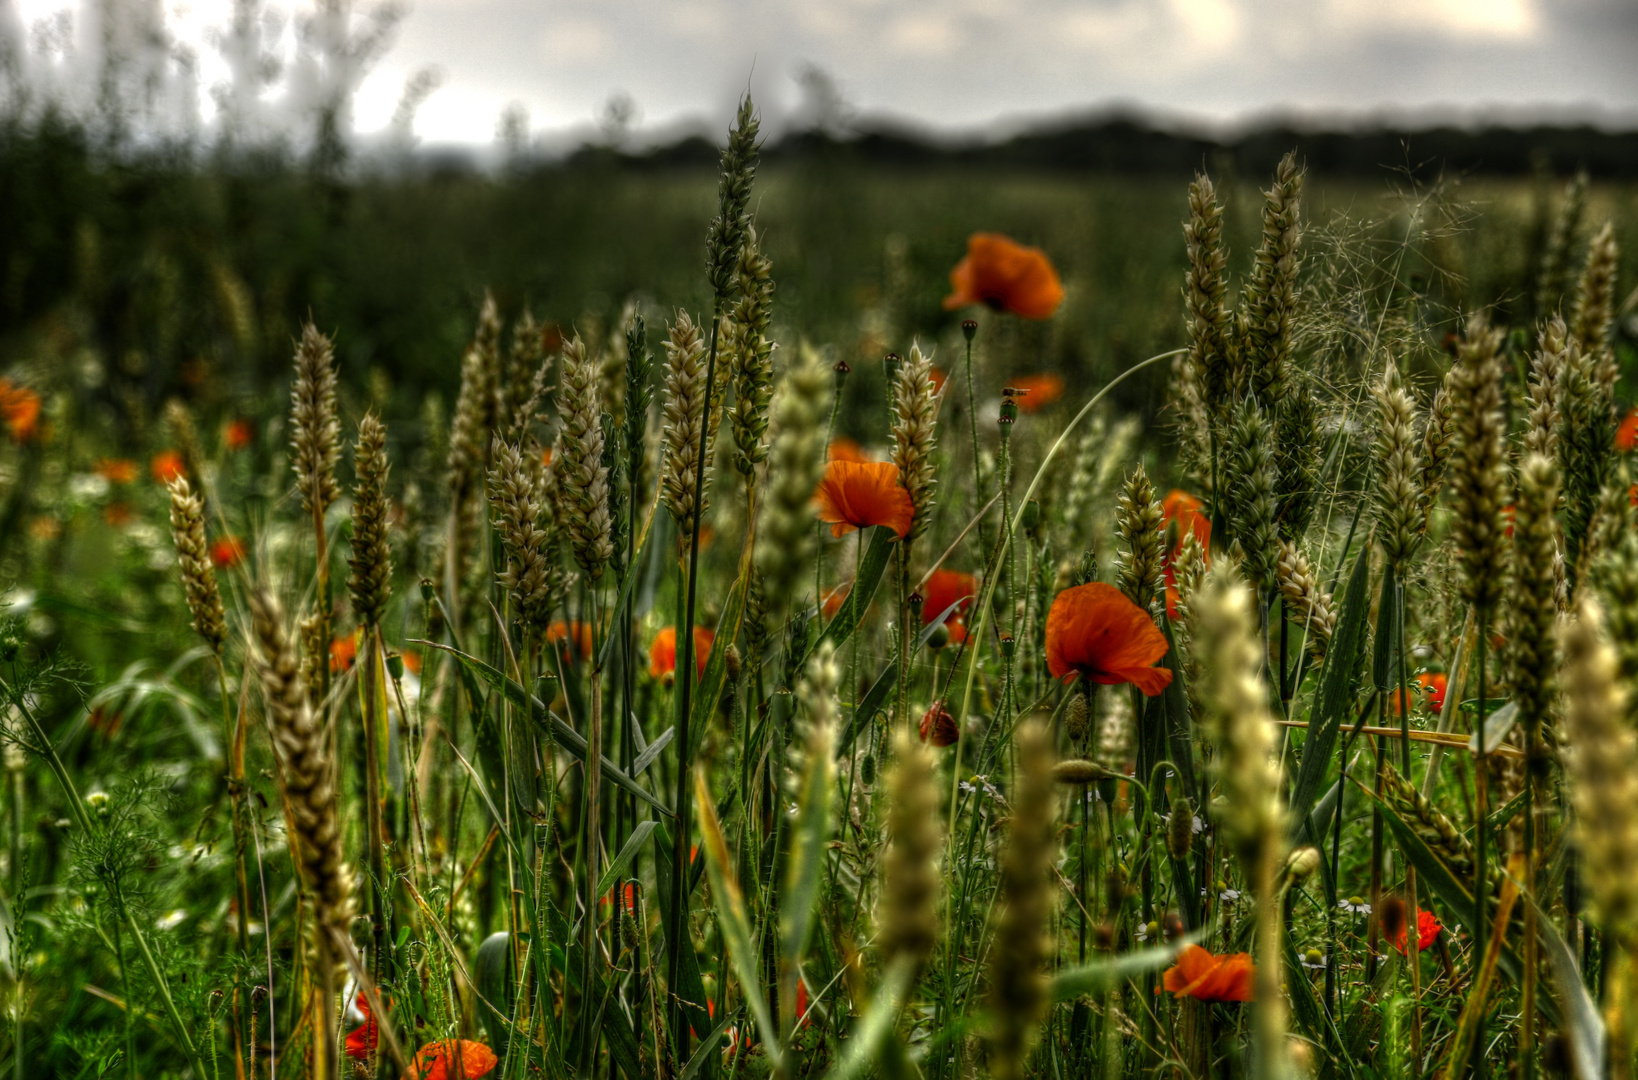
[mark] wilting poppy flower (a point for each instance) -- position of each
(1094, 630)
(1427, 932)
(843, 448)
(1626, 436)
(938, 726)
(452, 1059)
(662, 653)
(1005, 275)
(20, 409)
(227, 552)
(561, 633)
(1204, 977)
(117, 470)
(361, 1040)
(1035, 392)
(167, 465)
(855, 495)
(343, 651)
(836, 598)
(237, 434)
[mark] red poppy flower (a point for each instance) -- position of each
(561, 633)
(362, 1039)
(1508, 513)
(843, 448)
(662, 653)
(117, 514)
(939, 378)
(855, 495)
(943, 588)
(1626, 436)
(167, 465)
(343, 651)
(20, 409)
(836, 598)
(546, 457)
(237, 434)
(1427, 931)
(1007, 276)
(452, 1059)
(227, 552)
(117, 470)
(1094, 630)
(1032, 393)
(1204, 977)
(630, 896)
(938, 726)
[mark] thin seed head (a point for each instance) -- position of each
(315, 434)
(1546, 379)
(1480, 472)
(1249, 495)
(371, 562)
(685, 406)
(584, 478)
(1595, 305)
(1028, 900)
(1138, 524)
(1271, 294)
(1602, 764)
(1438, 440)
(198, 575)
(751, 356)
(306, 773)
(915, 417)
(1203, 296)
(907, 915)
(528, 574)
(1533, 612)
(727, 232)
(1554, 278)
(784, 543)
(1397, 493)
(1306, 600)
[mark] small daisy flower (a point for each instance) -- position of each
(1355, 906)
(1149, 931)
(1313, 959)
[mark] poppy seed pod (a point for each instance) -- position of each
(969, 328)
(1077, 717)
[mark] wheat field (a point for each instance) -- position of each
(1260, 706)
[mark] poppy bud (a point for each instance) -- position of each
(395, 665)
(1077, 717)
(940, 636)
(916, 601)
(1180, 832)
(969, 328)
(1032, 516)
(630, 937)
(1390, 916)
(1008, 644)
(429, 591)
(1079, 771)
(938, 726)
(1009, 412)
(842, 370)
(867, 769)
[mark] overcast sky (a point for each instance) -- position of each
(964, 65)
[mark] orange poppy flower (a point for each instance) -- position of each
(227, 552)
(237, 434)
(452, 1059)
(943, 588)
(1182, 510)
(938, 726)
(1204, 977)
(836, 598)
(1007, 276)
(20, 409)
(1032, 393)
(546, 457)
(361, 1040)
(560, 633)
(117, 514)
(1626, 436)
(1508, 513)
(630, 897)
(662, 653)
(855, 495)
(343, 651)
(117, 470)
(412, 663)
(167, 465)
(1094, 630)
(1427, 931)
(939, 378)
(843, 448)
